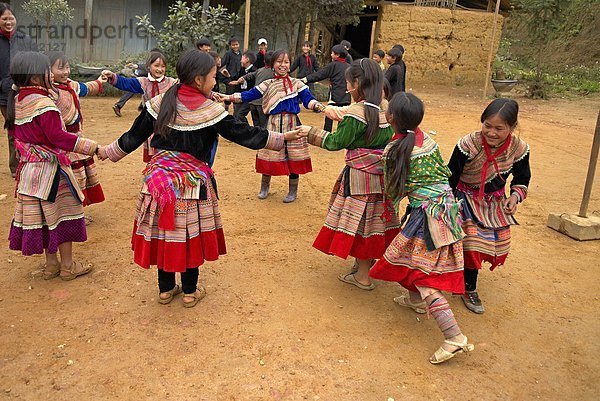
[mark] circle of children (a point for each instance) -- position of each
(458, 214)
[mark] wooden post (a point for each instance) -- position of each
(247, 26)
(489, 63)
(87, 18)
(372, 42)
(585, 202)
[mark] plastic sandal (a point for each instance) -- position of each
(405, 301)
(77, 269)
(198, 295)
(441, 355)
(350, 279)
(174, 291)
(49, 272)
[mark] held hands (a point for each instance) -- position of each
(221, 97)
(108, 76)
(102, 78)
(304, 129)
(295, 134)
(510, 204)
(319, 108)
(101, 153)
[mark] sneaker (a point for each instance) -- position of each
(117, 110)
(472, 302)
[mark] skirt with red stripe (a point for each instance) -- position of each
(87, 179)
(197, 237)
(294, 158)
(411, 262)
(40, 225)
(354, 225)
(483, 244)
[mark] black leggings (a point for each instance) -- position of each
(471, 279)
(189, 280)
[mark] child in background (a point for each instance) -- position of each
(231, 66)
(203, 45)
(49, 204)
(396, 73)
(151, 86)
(335, 72)
(481, 164)
(219, 77)
(178, 225)
(356, 223)
(378, 56)
(306, 63)
(262, 52)
(426, 256)
(281, 98)
(347, 45)
(66, 94)
(259, 118)
(240, 111)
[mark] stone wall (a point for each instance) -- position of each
(442, 45)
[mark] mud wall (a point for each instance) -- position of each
(442, 45)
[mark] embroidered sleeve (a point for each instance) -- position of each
(316, 136)
(347, 131)
(456, 165)
(248, 96)
(85, 146)
(91, 88)
(275, 141)
(521, 176)
(114, 152)
(128, 84)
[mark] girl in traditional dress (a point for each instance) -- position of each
(66, 94)
(149, 87)
(178, 224)
(426, 256)
(357, 223)
(481, 164)
(281, 97)
(49, 208)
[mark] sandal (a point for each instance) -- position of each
(442, 355)
(197, 296)
(355, 266)
(404, 300)
(49, 272)
(171, 294)
(350, 279)
(77, 269)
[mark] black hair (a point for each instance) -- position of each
(307, 43)
(55, 56)
(278, 53)
(407, 112)
(346, 44)
(506, 109)
(202, 42)
(340, 51)
(24, 67)
(233, 39)
(399, 47)
(369, 77)
(396, 53)
(380, 53)
(191, 64)
(5, 7)
(269, 58)
(250, 55)
(155, 55)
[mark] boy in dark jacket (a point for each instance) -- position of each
(335, 72)
(306, 63)
(231, 66)
(396, 73)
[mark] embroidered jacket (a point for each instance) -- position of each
(43, 144)
(145, 86)
(277, 98)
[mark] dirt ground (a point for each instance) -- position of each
(277, 324)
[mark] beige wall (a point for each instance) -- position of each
(442, 45)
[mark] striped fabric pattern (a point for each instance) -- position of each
(163, 86)
(208, 114)
(32, 106)
(274, 92)
(485, 244)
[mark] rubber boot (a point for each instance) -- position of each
(265, 183)
(293, 193)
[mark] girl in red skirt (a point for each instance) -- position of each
(178, 225)
(281, 97)
(426, 256)
(357, 223)
(48, 211)
(66, 95)
(481, 164)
